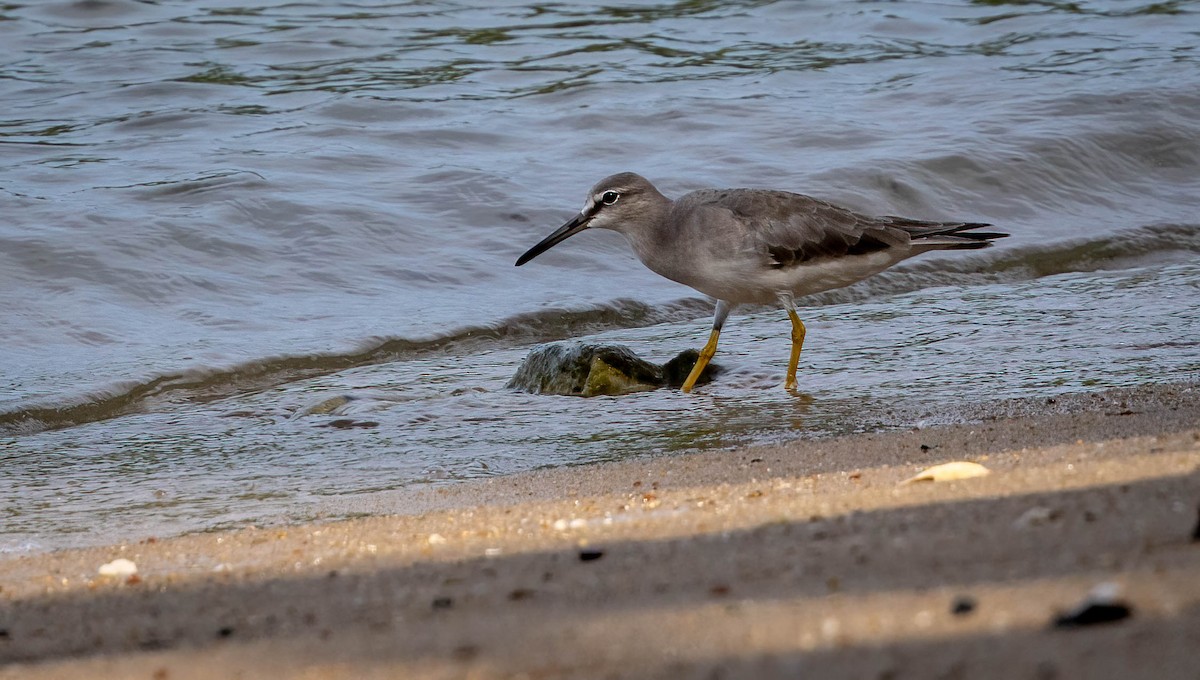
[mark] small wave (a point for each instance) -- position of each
(203, 385)
(20, 548)
(1137, 247)
(211, 181)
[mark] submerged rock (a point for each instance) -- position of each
(676, 370)
(589, 370)
(586, 370)
(327, 406)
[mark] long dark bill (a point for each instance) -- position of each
(566, 231)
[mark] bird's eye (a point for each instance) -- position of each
(609, 197)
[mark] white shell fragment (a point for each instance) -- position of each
(118, 567)
(946, 472)
(1105, 593)
(1036, 516)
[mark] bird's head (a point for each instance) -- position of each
(621, 202)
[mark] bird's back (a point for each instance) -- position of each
(754, 243)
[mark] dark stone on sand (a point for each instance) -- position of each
(963, 605)
(1099, 607)
(589, 370)
(520, 594)
(590, 555)
(1094, 614)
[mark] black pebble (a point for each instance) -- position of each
(963, 605)
(225, 632)
(1094, 613)
(590, 555)
(442, 603)
(925, 447)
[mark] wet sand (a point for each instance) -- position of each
(806, 559)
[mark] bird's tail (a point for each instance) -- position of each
(948, 235)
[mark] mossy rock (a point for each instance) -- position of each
(677, 370)
(589, 370)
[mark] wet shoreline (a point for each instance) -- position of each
(751, 562)
(256, 263)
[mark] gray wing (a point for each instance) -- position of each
(787, 229)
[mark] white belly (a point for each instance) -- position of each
(741, 282)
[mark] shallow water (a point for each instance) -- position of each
(217, 216)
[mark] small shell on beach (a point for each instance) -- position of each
(563, 525)
(118, 567)
(1036, 516)
(946, 472)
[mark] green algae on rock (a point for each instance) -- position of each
(589, 370)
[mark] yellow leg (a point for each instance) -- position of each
(706, 354)
(798, 332)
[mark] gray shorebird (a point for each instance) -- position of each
(756, 246)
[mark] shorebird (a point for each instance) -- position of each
(756, 246)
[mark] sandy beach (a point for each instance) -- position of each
(804, 560)
(276, 400)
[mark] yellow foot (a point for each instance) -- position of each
(706, 354)
(798, 332)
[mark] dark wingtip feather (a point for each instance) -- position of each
(956, 236)
(964, 230)
(981, 235)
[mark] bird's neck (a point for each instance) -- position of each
(652, 240)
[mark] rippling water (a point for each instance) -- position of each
(217, 215)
